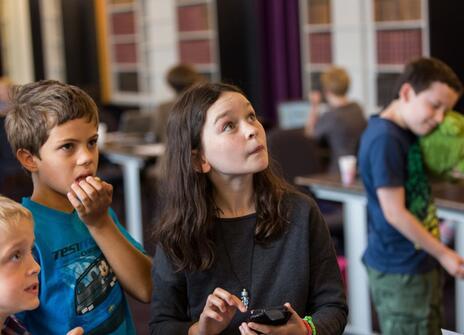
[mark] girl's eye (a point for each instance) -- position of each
(228, 126)
(252, 116)
(67, 146)
(93, 143)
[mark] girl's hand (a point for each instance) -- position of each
(76, 331)
(294, 326)
(219, 310)
(91, 198)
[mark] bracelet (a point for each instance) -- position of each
(308, 327)
(310, 322)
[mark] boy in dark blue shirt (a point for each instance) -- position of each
(404, 249)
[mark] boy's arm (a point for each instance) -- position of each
(91, 199)
(392, 200)
(131, 266)
(314, 98)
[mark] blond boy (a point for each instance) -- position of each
(341, 126)
(19, 282)
(52, 129)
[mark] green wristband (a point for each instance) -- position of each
(309, 320)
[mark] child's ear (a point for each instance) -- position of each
(406, 92)
(27, 160)
(200, 164)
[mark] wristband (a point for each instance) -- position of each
(309, 321)
(308, 327)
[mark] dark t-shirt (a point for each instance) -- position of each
(383, 157)
(341, 128)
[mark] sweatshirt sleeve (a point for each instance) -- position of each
(169, 306)
(327, 302)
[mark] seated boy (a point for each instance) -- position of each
(343, 123)
(19, 282)
(87, 258)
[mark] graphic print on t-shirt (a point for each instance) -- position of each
(93, 286)
(97, 296)
(419, 199)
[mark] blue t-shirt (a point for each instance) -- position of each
(77, 285)
(383, 162)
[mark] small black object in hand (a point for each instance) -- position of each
(273, 316)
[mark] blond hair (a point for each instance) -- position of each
(38, 107)
(336, 81)
(11, 213)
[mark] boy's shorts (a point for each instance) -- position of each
(407, 303)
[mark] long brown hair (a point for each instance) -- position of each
(185, 229)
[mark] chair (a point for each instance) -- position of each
(297, 155)
(133, 121)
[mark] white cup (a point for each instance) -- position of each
(102, 129)
(347, 166)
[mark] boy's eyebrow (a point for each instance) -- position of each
(10, 247)
(74, 139)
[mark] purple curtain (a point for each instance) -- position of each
(280, 53)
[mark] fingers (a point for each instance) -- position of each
(85, 191)
(75, 202)
(460, 271)
(99, 185)
(453, 263)
(295, 320)
(94, 182)
(295, 325)
(245, 330)
(220, 306)
(210, 313)
(232, 300)
(76, 331)
(91, 192)
(259, 328)
(217, 302)
(291, 310)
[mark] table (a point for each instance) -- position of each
(448, 199)
(132, 158)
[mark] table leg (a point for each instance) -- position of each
(459, 245)
(132, 200)
(355, 230)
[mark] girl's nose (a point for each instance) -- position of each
(250, 131)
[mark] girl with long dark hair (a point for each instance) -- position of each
(233, 235)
